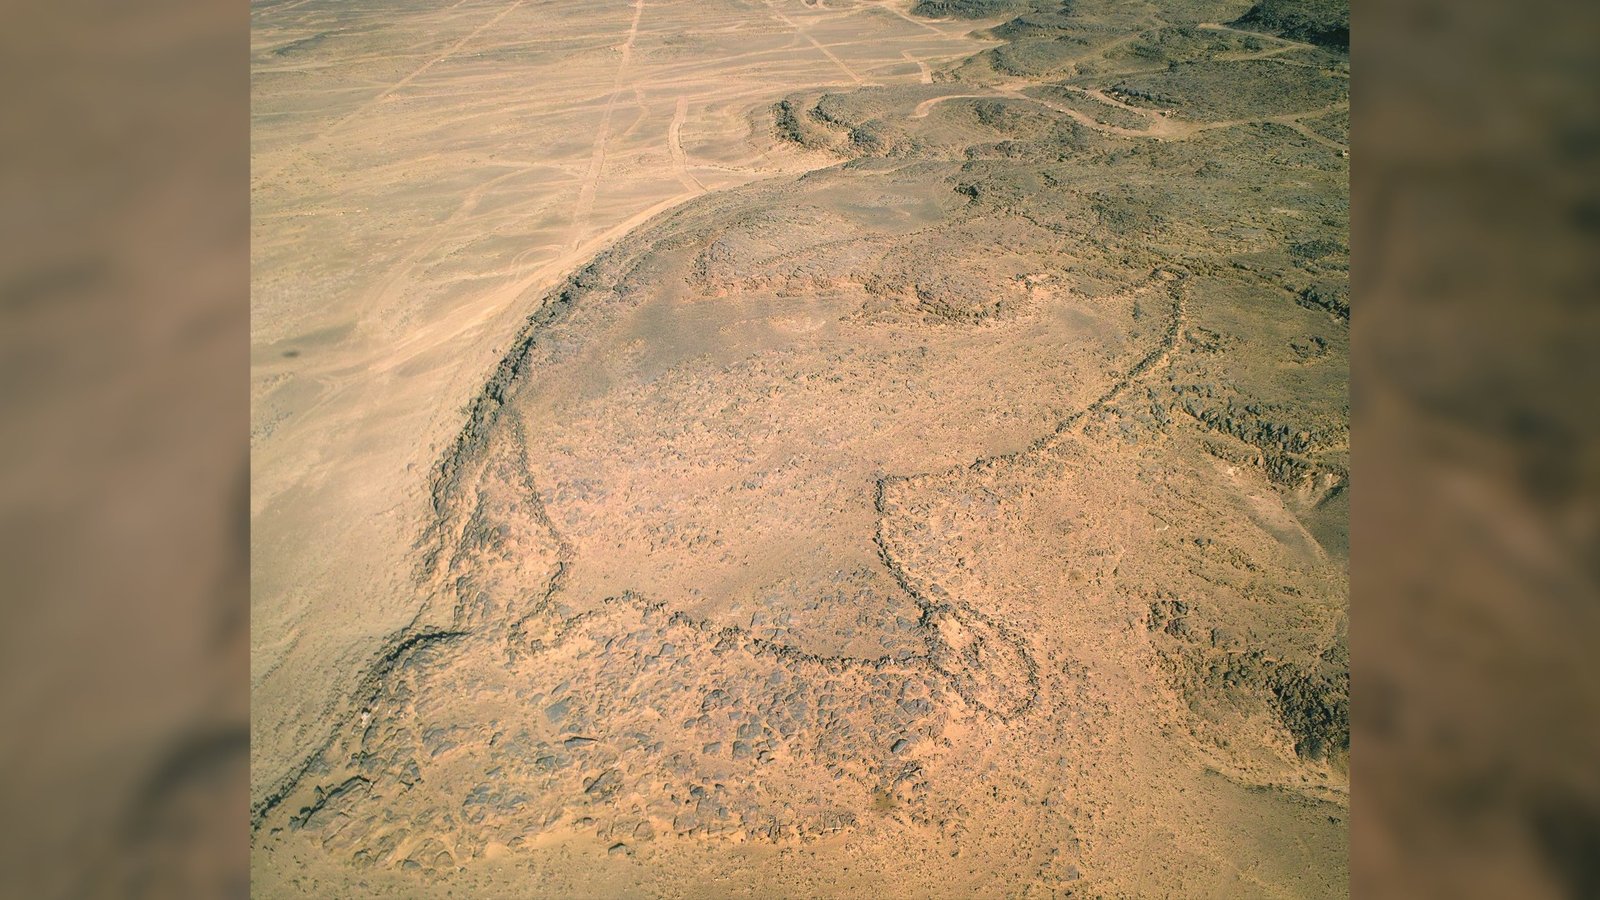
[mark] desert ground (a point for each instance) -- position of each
(784, 448)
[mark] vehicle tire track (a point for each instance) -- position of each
(814, 42)
(925, 74)
(597, 159)
(322, 136)
(680, 160)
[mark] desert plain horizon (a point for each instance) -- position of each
(794, 448)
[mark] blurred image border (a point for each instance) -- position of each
(124, 317)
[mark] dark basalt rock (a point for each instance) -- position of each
(1322, 22)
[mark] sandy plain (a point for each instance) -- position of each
(753, 449)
